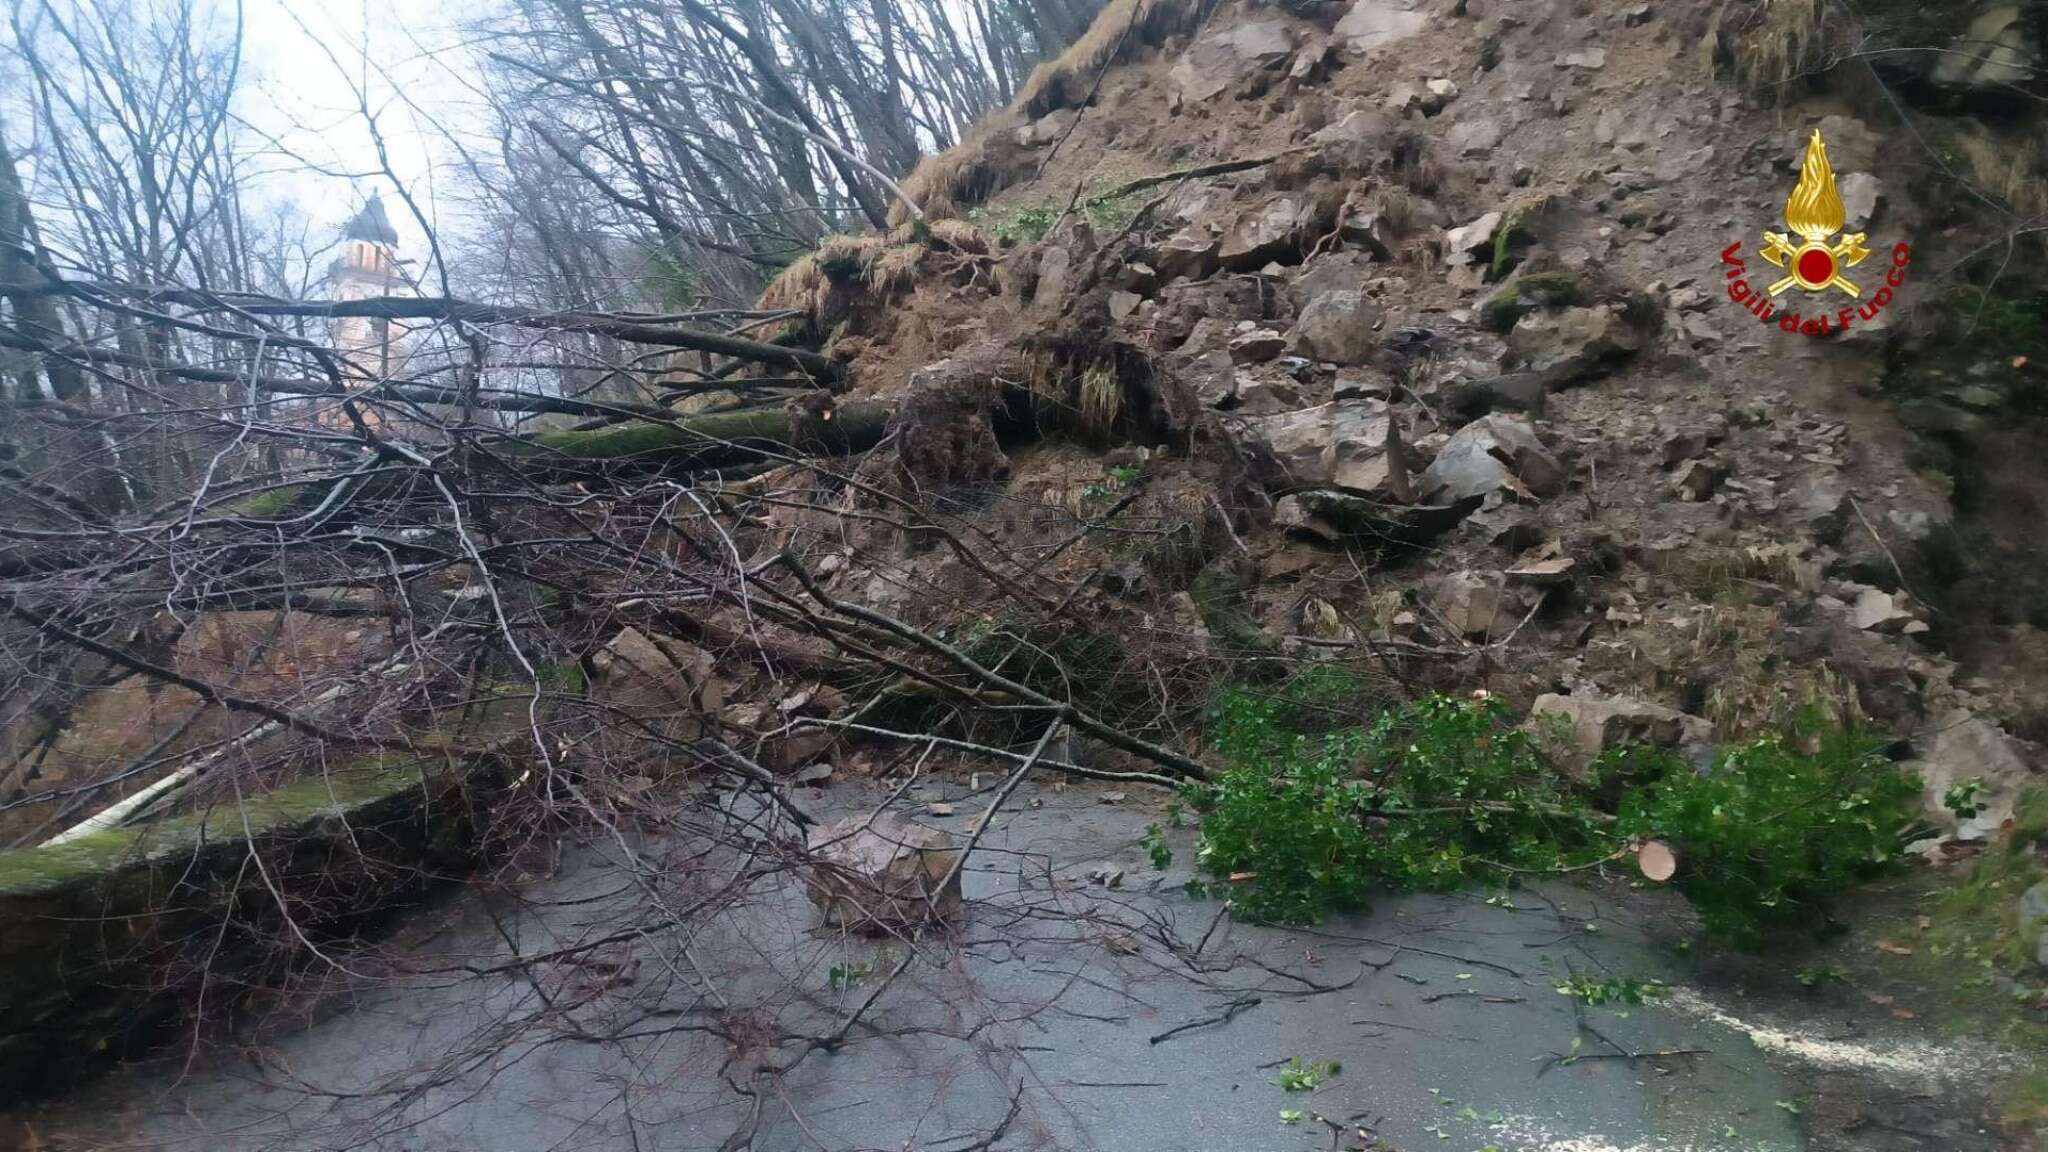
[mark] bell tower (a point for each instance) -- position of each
(367, 267)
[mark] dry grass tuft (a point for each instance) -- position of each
(894, 270)
(946, 184)
(795, 287)
(961, 236)
(1101, 400)
(986, 161)
(1772, 43)
(2008, 170)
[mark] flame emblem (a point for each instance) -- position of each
(1813, 213)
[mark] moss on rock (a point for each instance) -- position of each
(1555, 289)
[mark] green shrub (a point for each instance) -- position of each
(1770, 835)
(1428, 796)
(1315, 811)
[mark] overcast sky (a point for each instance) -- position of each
(305, 60)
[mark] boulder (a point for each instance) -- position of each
(1477, 605)
(1339, 326)
(1542, 340)
(882, 874)
(1356, 382)
(1055, 275)
(1462, 241)
(1257, 346)
(1270, 230)
(1348, 444)
(1139, 277)
(1374, 24)
(1878, 611)
(1961, 746)
(1695, 480)
(1475, 135)
(1861, 193)
(1360, 142)
(1213, 378)
(1508, 526)
(1046, 129)
(1493, 454)
(1312, 62)
(1336, 271)
(1514, 391)
(1575, 730)
(671, 686)
(1220, 61)
(2033, 922)
(1552, 572)
(1824, 504)
(2000, 54)
(1190, 252)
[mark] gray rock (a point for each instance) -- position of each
(1359, 142)
(1257, 346)
(1575, 730)
(1370, 231)
(2000, 53)
(1544, 340)
(1055, 272)
(1962, 746)
(1547, 573)
(1340, 271)
(1190, 252)
(882, 874)
(1861, 194)
(1824, 503)
(1339, 327)
(2033, 921)
(1696, 480)
(1375, 24)
(1046, 129)
(1213, 377)
(1588, 59)
(1507, 527)
(1876, 610)
(1477, 604)
(1312, 62)
(1268, 231)
(1475, 136)
(1220, 61)
(1516, 391)
(1360, 383)
(1494, 454)
(1472, 237)
(1350, 444)
(1681, 446)
(1123, 305)
(1209, 334)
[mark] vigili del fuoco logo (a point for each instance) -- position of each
(1813, 260)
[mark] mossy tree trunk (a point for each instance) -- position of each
(721, 439)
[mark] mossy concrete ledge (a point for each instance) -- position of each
(104, 939)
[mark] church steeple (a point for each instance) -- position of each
(371, 224)
(366, 267)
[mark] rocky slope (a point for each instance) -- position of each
(1416, 330)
